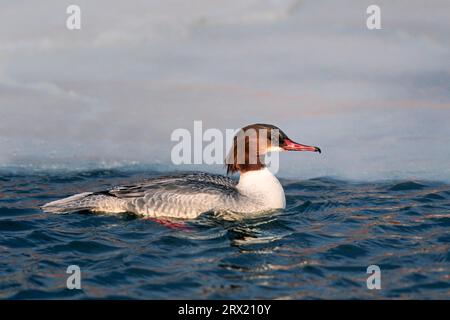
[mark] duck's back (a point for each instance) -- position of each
(179, 196)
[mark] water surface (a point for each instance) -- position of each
(319, 247)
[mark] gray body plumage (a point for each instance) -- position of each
(178, 196)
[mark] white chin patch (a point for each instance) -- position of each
(275, 149)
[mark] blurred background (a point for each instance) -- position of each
(109, 95)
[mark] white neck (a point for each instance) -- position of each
(263, 186)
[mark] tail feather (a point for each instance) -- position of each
(78, 202)
(96, 202)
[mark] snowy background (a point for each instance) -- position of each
(376, 102)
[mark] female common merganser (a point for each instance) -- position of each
(186, 196)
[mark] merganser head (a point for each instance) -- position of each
(252, 142)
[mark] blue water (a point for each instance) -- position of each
(319, 247)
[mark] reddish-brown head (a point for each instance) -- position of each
(253, 141)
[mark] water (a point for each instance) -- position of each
(319, 247)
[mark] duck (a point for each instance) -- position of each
(188, 195)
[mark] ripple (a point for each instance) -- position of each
(13, 225)
(318, 247)
(407, 186)
(347, 251)
(42, 294)
(439, 285)
(39, 236)
(87, 247)
(12, 212)
(404, 228)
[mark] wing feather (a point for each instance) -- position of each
(183, 195)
